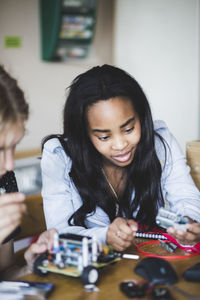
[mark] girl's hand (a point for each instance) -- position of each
(11, 210)
(44, 243)
(120, 234)
(189, 237)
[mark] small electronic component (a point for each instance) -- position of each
(169, 246)
(77, 256)
(167, 218)
(133, 289)
(161, 293)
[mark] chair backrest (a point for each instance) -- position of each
(33, 222)
(27, 153)
(193, 160)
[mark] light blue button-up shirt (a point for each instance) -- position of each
(61, 198)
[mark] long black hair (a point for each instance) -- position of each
(143, 174)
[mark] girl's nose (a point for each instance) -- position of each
(119, 143)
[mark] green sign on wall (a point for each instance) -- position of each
(13, 42)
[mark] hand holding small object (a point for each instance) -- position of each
(11, 211)
(44, 243)
(120, 234)
(182, 228)
(166, 218)
(191, 236)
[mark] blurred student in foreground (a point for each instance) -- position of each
(13, 115)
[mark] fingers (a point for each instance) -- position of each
(33, 251)
(5, 231)
(186, 237)
(133, 225)
(116, 240)
(125, 232)
(44, 243)
(47, 237)
(194, 228)
(11, 210)
(9, 198)
(10, 219)
(120, 234)
(11, 214)
(120, 244)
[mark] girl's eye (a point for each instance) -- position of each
(128, 130)
(103, 138)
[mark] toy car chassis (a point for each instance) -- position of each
(77, 256)
(167, 218)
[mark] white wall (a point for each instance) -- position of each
(157, 41)
(44, 83)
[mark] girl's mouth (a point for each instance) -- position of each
(123, 158)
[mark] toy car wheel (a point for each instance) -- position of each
(61, 265)
(90, 275)
(40, 261)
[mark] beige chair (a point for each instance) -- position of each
(32, 223)
(193, 160)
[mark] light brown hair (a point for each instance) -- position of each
(13, 106)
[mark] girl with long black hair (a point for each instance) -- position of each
(113, 167)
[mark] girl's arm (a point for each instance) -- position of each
(60, 197)
(180, 192)
(179, 189)
(61, 200)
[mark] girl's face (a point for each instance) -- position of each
(10, 136)
(114, 130)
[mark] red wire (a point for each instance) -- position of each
(138, 247)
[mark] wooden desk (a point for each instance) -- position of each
(110, 278)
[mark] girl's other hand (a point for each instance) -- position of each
(189, 237)
(11, 211)
(44, 243)
(120, 234)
